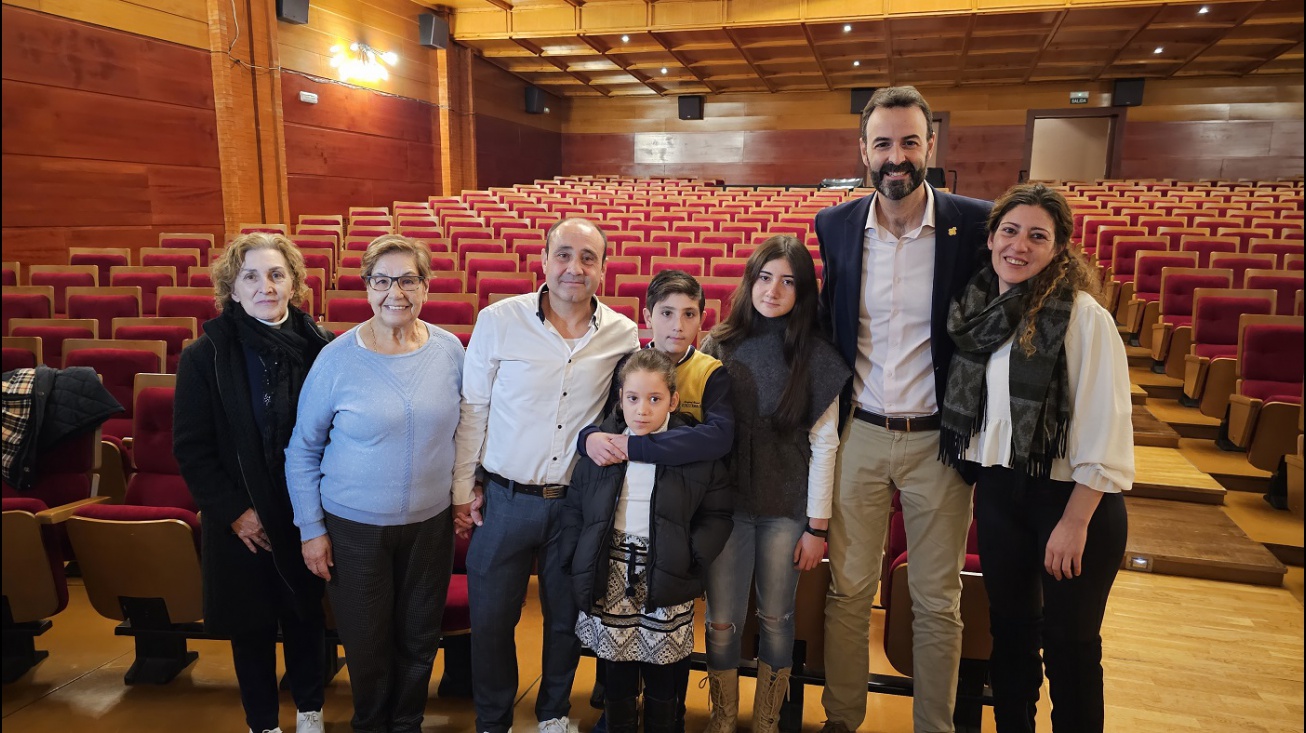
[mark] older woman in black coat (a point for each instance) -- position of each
(237, 390)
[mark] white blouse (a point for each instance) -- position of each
(636, 500)
(1100, 445)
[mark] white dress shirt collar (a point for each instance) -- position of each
(927, 219)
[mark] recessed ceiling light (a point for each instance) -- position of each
(1203, 10)
(857, 63)
(847, 28)
(664, 69)
(625, 39)
(1158, 49)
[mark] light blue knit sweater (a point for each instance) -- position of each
(373, 442)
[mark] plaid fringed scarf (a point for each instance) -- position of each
(980, 322)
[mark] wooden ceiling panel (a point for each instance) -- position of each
(858, 32)
(1001, 23)
(927, 27)
(983, 44)
(704, 48)
(1216, 14)
(1117, 17)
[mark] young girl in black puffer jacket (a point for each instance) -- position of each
(640, 537)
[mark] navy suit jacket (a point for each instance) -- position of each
(960, 245)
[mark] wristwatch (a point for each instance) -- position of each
(822, 533)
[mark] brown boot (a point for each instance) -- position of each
(772, 689)
(723, 696)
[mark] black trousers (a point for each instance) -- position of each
(680, 683)
(254, 653)
(387, 590)
(1029, 609)
(623, 680)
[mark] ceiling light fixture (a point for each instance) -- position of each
(857, 63)
(847, 28)
(1158, 49)
(664, 69)
(625, 39)
(1203, 10)
(362, 62)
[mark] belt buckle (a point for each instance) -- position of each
(907, 424)
(553, 491)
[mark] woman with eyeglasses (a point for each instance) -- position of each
(370, 470)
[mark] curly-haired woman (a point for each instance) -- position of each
(1038, 402)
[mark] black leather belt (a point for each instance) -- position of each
(899, 424)
(545, 491)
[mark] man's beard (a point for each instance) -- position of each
(897, 190)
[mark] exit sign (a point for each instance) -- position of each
(1079, 97)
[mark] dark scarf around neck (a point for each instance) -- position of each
(980, 322)
(287, 351)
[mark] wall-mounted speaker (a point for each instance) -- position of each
(691, 106)
(860, 97)
(292, 11)
(432, 31)
(534, 101)
(1127, 93)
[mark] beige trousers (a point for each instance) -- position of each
(873, 461)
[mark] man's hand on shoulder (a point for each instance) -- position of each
(606, 449)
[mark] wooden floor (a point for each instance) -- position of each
(1180, 655)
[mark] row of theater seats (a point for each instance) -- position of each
(137, 550)
(1216, 305)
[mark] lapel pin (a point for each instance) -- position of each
(952, 231)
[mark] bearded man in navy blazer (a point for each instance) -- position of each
(893, 261)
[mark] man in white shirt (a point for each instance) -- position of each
(893, 262)
(538, 370)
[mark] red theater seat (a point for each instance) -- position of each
(1216, 316)
(450, 309)
(62, 277)
(148, 279)
(102, 258)
(53, 332)
(117, 361)
(174, 332)
(194, 303)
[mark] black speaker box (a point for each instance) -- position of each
(293, 11)
(534, 101)
(860, 97)
(432, 31)
(1127, 93)
(691, 106)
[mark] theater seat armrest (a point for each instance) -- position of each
(1243, 413)
(61, 513)
(127, 442)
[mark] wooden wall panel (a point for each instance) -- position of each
(1214, 149)
(184, 22)
(356, 148)
(386, 25)
(1186, 128)
(108, 138)
(987, 158)
(510, 152)
(512, 146)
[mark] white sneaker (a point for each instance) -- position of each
(309, 722)
(558, 725)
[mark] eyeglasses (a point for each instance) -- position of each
(382, 283)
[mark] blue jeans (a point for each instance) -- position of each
(761, 546)
(519, 530)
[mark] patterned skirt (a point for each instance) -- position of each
(621, 629)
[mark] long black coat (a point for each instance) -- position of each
(219, 451)
(692, 516)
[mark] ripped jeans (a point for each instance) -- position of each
(765, 545)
